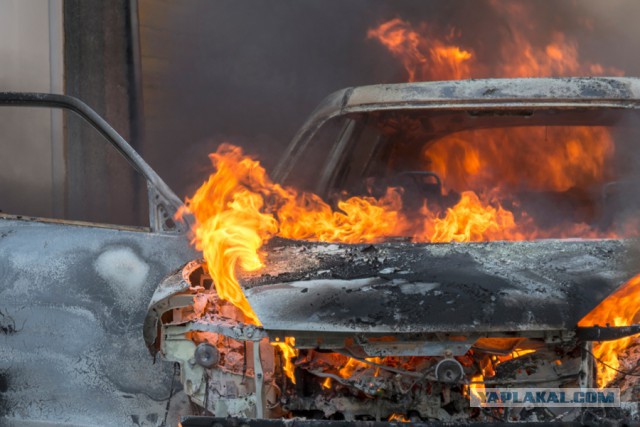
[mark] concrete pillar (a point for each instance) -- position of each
(100, 67)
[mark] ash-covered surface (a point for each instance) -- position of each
(72, 304)
(572, 88)
(454, 287)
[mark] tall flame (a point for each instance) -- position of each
(619, 309)
(230, 225)
(288, 353)
(239, 208)
(427, 57)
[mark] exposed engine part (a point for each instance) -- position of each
(206, 355)
(233, 369)
(449, 371)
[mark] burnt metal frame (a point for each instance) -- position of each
(163, 202)
(476, 95)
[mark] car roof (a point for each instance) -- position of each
(479, 94)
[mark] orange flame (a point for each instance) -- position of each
(230, 226)
(399, 418)
(288, 353)
(353, 365)
(470, 220)
(478, 387)
(531, 158)
(239, 208)
(359, 219)
(535, 158)
(619, 309)
(421, 57)
(426, 57)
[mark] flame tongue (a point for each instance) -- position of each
(239, 208)
(470, 220)
(230, 226)
(619, 309)
(440, 60)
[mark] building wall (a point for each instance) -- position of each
(31, 160)
(52, 163)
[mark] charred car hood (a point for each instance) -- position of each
(454, 287)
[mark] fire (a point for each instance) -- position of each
(399, 418)
(238, 209)
(230, 227)
(619, 309)
(358, 219)
(502, 160)
(426, 56)
(472, 221)
(438, 59)
(535, 158)
(476, 385)
(288, 353)
(353, 365)
(489, 364)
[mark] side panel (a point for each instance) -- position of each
(72, 304)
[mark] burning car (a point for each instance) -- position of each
(476, 233)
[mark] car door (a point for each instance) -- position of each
(73, 296)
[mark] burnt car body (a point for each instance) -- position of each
(73, 296)
(449, 304)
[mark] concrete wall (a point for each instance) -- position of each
(31, 159)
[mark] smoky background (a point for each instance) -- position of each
(177, 78)
(250, 72)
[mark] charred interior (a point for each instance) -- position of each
(558, 172)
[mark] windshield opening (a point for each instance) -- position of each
(502, 175)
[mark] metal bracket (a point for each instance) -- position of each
(258, 379)
(585, 375)
(162, 213)
(235, 330)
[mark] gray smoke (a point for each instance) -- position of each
(249, 71)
